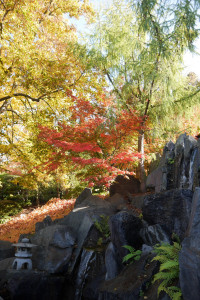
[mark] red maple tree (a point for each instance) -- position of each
(97, 137)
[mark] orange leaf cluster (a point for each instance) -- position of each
(25, 223)
(97, 138)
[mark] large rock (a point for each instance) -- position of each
(125, 184)
(136, 200)
(54, 248)
(161, 178)
(117, 201)
(112, 262)
(81, 220)
(133, 280)
(189, 259)
(32, 285)
(90, 275)
(170, 209)
(6, 263)
(179, 166)
(60, 245)
(6, 250)
(84, 195)
(187, 161)
(45, 223)
(154, 234)
(125, 227)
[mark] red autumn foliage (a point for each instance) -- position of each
(25, 223)
(98, 138)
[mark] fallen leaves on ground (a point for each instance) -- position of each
(25, 223)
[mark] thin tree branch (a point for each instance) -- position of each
(28, 96)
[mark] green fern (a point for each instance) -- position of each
(102, 226)
(168, 273)
(133, 255)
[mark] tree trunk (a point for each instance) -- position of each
(142, 175)
(37, 197)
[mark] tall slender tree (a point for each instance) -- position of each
(139, 46)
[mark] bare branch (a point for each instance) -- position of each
(28, 96)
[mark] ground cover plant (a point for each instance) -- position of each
(25, 223)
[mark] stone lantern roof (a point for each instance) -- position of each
(25, 243)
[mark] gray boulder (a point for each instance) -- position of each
(189, 258)
(6, 250)
(161, 178)
(170, 209)
(112, 263)
(81, 221)
(54, 248)
(130, 282)
(84, 195)
(117, 201)
(179, 166)
(124, 228)
(60, 244)
(124, 184)
(187, 161)
(90, 275)
(154, 234)
(136, 200)
(32, 285)
(45, 223)
(6, 263)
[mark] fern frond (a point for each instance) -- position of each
(169, 276)
(127, 257)
(133, 255)
(174, 292)
(167, 255)
(131, 249)
(169, 265)
(160, 258)
(162, 288)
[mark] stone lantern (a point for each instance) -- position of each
(23, 255)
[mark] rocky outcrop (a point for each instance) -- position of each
(76, 257)
(86, 193)
(131, 282)
(6, 250)
(189, 259)
(154, 234)
(179, 166)
(161, 178)
(125, 228)
(171, 209)
(125, 184)
(54, 248)
(45, 223)
(32, 285)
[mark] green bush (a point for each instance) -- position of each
(8, 189)
(8, 208)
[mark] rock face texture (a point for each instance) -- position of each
(189, 259)
(170, 209)
(154, 234)
(125, 184)
(6, 250)
(179, 166)
(31, 285)
(129, 283)
(80, 256)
